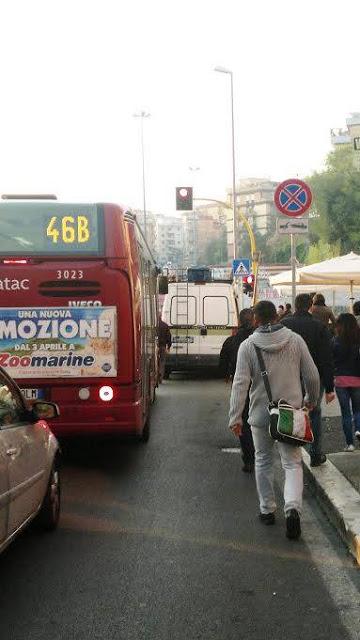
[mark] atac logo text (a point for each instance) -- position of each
(11, 284)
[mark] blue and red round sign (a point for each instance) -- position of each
(293, 197)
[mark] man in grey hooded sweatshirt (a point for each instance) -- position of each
(287, 360)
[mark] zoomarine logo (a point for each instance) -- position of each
(11, 284)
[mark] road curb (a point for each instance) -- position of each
(339, 500)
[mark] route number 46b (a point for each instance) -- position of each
(68, 229)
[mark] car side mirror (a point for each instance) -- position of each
(45, 410)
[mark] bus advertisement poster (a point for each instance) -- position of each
(58, 342)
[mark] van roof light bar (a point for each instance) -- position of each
(27, 196)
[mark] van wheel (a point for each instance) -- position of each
(48, 516)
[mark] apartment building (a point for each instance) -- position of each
(349, 135)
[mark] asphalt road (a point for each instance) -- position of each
(161, 541)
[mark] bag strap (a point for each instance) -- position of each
(264, 372)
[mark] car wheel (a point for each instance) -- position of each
(48, 516)
(167, 374)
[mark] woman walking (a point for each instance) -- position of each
(346, 350)
(323, 313)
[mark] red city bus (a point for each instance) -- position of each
(78, 313)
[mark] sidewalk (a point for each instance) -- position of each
(336, 483)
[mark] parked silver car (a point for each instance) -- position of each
(29, 463)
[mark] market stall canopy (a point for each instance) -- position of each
(343, 270)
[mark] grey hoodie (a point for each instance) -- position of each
(286, 358)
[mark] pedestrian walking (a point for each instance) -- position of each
(323, 313)
(228, 357)
(346, 347)
(288, 363)
(356, 311)
(288, 310)
(281, 310)
(318, 341)
(164, 346)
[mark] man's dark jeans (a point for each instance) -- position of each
(315, 417)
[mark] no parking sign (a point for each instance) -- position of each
(293, 197)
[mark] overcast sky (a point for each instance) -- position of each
(73, 73)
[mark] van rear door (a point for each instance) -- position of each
(217, 319)
(184, 318)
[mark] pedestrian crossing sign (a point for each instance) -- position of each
(241, 267)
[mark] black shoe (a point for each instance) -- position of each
(293, 526)
(317, 459)
(267, 518)
(248, 467)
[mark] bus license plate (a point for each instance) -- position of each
(33, 394)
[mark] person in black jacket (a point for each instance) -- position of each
(318, 340)
(228, 357)
(164, 336)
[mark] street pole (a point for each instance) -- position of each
(234, 221)
(293, 270)
(142, 115)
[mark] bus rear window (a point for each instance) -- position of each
(50, 228)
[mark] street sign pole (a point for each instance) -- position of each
(293, 271)
(292, 198)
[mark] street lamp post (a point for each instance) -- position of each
(230, 73)
(142, 115)
(194, 170)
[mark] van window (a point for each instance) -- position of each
(183, 310)
(216, 310)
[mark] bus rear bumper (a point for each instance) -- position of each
(103, 419)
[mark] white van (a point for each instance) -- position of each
(200, 315)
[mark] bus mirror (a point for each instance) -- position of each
(163, 285)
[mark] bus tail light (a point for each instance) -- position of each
(15, 261)
(106, 393)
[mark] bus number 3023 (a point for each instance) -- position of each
(70, 274)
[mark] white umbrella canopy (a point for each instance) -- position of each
(343, 270)
(283, 279)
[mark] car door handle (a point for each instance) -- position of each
(13, 451)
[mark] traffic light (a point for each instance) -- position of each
(248, 284)
(184, 198)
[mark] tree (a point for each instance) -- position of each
(336, 207)
(322, 251)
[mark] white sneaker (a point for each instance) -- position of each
(349, 447)
(357, 435)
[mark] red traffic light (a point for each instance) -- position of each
(248, 279)
(184, 198)
(248, 284)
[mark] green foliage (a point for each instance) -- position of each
(322, 251)
(340, 160)
(336, 193)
